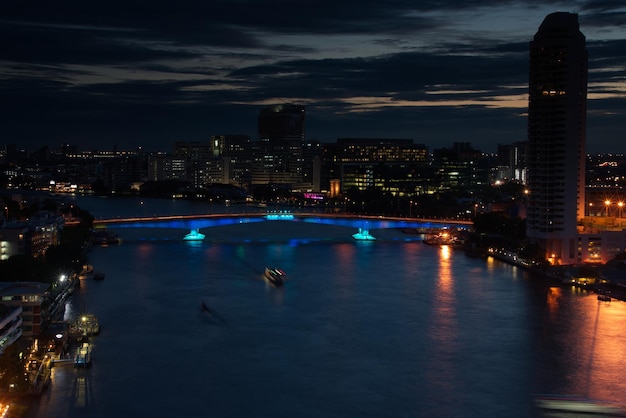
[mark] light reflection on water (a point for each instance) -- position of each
(360, 329)
(592, 340)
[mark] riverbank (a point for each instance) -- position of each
(606, 280)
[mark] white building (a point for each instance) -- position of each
(10, 325)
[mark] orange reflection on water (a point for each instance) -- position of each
(444, 309)
(346, 264)
(443, 330)
(593, 356)
(444, 283)
(214, 253)
(345, 253)
(444, 252)
(607, 358)
(145, 250)
(491, 264)
(552, 299)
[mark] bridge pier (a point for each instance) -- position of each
(363, 235)
(194, 235)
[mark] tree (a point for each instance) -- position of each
(13, 378)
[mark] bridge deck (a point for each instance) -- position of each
(199, 221)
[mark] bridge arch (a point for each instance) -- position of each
(363, 224)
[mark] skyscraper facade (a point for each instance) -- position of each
(556, 136)
(281, 123)
(280, 151)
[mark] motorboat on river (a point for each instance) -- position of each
(89, 273)
(83, 356)
(86, 326)
(563, 405)
(274, 276)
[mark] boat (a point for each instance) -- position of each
(274, 276)
(442, 238)
(577, 405)
(86, 272)
(204, 307)
(604, 298)
(98, 276)
(87, 325)
(83, 356)
(105, 238)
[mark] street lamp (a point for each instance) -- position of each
(410, 208)
(607, 203)
(620, 205)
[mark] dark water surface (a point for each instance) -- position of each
(360, 329)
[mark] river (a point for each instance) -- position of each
(390, 328)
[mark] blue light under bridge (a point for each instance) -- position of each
(363, 224)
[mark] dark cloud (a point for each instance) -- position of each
(607, 54)
(85, 46)
(152, 72)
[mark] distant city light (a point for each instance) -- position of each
(314, 196)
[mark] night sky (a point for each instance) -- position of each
(138, 73)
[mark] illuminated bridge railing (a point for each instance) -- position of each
(363, 224)
(207, 221)
(280, 216)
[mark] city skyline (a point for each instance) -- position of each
(136, 75)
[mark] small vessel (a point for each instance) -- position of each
(274, 276)
(83, 356)
(577, 405)
(604, 298)
(442, 238)
(87, 325)
(204, 307)
(86, 272)
(104, 237)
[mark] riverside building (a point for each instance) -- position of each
(556, 136)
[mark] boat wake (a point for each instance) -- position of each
(212, 316)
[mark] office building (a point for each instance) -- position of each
(556, 136)
(459, 168)
(281, 123)
(199, 168)
(511, 162)
(279, 153)
(236, 153)
(162, 167)
(392, 165)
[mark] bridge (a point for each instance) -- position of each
(363, 224)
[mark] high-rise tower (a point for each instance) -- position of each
(282, 123)
(556, 136)
(281, 142)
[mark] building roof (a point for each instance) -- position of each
(23, 288)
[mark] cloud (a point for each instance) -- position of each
(155, 71)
